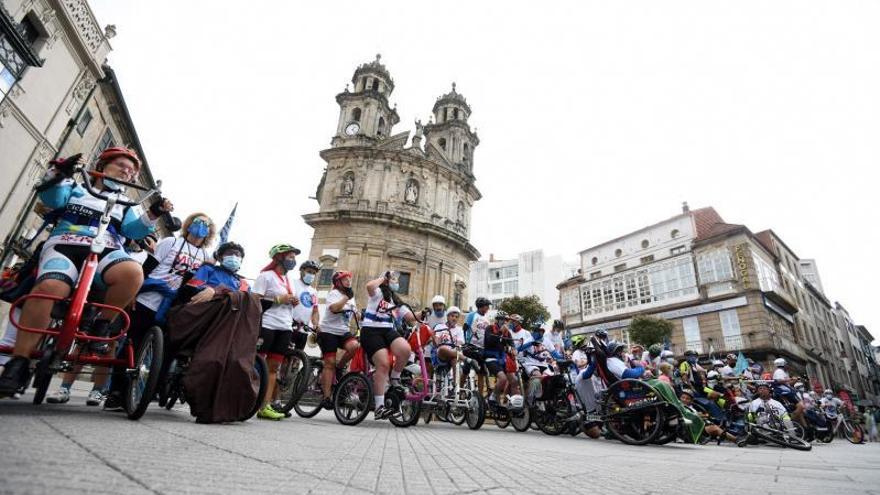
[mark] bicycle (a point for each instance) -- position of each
(73, 317)
(292, 378)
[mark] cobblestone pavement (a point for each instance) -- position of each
(74, 448)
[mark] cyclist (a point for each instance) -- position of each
(553, 340)
(616, 362)
(830, 404)
(448, 337)
(276, 328)
(690, 372)
(437, 314)
(713, 430)
(336, 333)
(728, 372)
(474, 328)
(178, 259)
(494, 355)
(68, 246)
(762, 403)
(586, 383)
(306, 312)
(782, 384)
(378, 336)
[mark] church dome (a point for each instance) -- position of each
(365, 73)
(452, 98)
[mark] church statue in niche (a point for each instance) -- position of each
(411, 195)
(459, 214)
(348, 184)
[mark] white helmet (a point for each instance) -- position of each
(717, 363)
(828, 392)
(799, 386)
(712, 375)
(515, 402)
(666, 354)
(438, 299)
(452, 310)
(779, 362)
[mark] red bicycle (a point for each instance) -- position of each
(72, 316)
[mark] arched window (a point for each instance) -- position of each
(442, 143)
(466, 153)
(369, 83)
(455, 114)
(445, 114)
(381, 128)
(356, 115)
(674, 233)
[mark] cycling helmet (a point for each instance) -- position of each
(515, 317)
(717, 363)
(453, 310)
(757, 368)
(558, 324)
(712, 375)
(730, 356)
(481, 302)
(338, 276)
(762, 383)
(666, 354)
(655, 350)
(688, 392)
(779, 362)
(690, 352)
(577, 340)
(117, 151)
(438, 299)
(614, 347)
(501, 315)
(310, 264)
(228, 246)
(282, 248)
(601, 334)
(799, 386)
(828, 392)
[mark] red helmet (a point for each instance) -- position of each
(117, 151)
(338, 276)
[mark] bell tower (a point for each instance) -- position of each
(450, 134)
(365, 116)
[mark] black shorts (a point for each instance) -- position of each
(298, 340)
(374, 339)
(330, 342)
(494, 366)
(274, 341)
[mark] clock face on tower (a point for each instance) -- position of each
(352, 128)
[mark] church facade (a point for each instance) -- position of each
(388, 201)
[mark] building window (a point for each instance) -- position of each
(29, 31)
(465, 152)
(325, 277)
(715, 266)
(84, 122)
(595, 260)
(442, 143)
(497, 274)
(381, 127)
(729, 323)
(7, 80)
(768, 279)
(496, 288)
(647, 259)
(511, 272)
(677, 250)
(105, 142)
(455, 114)
(619, 268)
(511, 286)
(403, 280)
(675, 233)
(356, 115)
(692, 334)
(645, 244)
(618, 253)
(596, 274)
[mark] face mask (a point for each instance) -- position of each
(308, 278)
(712, 383)
(394, 287)
(692, 359)
(670, 360)
(288, 264)
(198, 229)
(112, 184)
(231, 263)
(438, 312)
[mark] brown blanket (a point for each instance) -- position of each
(221, 335)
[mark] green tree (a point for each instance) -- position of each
(529, 307)
(648, 330)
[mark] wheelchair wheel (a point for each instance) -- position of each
(262, 370)
(476, 413)
(634, 412)
(309, 402)
(42, 377)
(148, 366)
(292, 379)
(352, 399)
(521, 419)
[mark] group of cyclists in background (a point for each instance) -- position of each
(500, 365)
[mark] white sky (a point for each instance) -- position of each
(596, 118)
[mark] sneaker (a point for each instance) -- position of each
(327, 404)
(277, 407)
(268, 413)
(95, 398)
(59, 396)
(381, 412)
(113, 402)
(16, 375)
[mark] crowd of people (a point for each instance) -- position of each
(150, 277)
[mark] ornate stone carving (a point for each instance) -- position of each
(80, 92)
(5, 110)
(411, 195)
(347, 188)
(85, 22)
(38, 164)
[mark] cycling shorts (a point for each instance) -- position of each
(274, 341)
(63, 262)
(330, 342)
(374, 339)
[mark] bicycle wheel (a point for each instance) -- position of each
(262, 370)
(782, 438)
(42, 377)
(554, 420)
(148, 366)
(853, 432)
(409, 414)
(292, 379)
(476, 413)
(352, 399)
(308, 404)
(521, 419)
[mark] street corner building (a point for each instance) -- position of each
(390, 202)
(725, 289)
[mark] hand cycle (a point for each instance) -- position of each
(70, 329)
(444, 395)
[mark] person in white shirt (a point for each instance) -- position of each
(276, 329)
(448, 339)
(766, 403)
(783, 384)
(830, 404)
(553, 340)
(616, 362)
(335, 332)
(437, 314)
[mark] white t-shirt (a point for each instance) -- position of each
(337, 323)
(553, 341)
(433, 320)
(308, 299)
(616, 366)
(780, 375)
(176, 257)
(449, 336)
(520, 338)
(771, 404)
(728, 372)
(379, 312)
(270, 284)
(831, 406)
(478, 328)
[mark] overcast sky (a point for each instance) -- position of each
(595, 118)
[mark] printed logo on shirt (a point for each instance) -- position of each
(307, 299)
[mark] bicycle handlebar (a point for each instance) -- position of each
(87, 182)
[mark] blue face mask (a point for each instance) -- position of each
(231, 263)
(692, 359)
(288, 264)
(394, 287)
(308, 278)
(112, 184)
(198, 229)
(438, 312)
